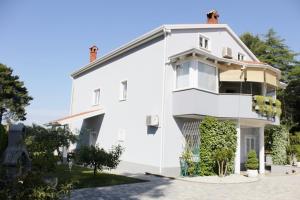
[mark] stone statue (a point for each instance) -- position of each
(16, 158)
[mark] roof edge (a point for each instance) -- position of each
(156, 33)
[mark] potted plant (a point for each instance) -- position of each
(252, 164)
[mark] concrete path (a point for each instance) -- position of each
(268, 187)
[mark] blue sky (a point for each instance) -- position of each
(44, 41)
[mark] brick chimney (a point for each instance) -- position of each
(212, 17)
(93, 53)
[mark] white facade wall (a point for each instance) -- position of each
(143, 71)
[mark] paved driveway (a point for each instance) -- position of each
(267, 188)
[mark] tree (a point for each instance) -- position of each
(13, 95)
(42, 142)
(98, 158)
(291, 102)
(223, 156)
(271, 49)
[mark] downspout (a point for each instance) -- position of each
(163, 104)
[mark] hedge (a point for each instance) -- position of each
(215, 135)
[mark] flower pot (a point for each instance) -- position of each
(252, 173)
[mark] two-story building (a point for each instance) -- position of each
(150, 95)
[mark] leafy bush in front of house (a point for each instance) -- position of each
(98, 158)
(252, 161)
(214, 136)
(187, 156)
(278, 143)
(294, 146)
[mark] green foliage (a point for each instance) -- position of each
(267, 106)
(291, 98)
(272, 50)
(215, 135)
(252, 161)
(3, 140)
(33, 187)
(277, 142)
(223, 157)
(294, 145)
(191, 165)
(42, 142)
(13, 95)
(98, 158)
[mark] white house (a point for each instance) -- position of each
(150, 94)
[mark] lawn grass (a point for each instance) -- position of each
(84, 177)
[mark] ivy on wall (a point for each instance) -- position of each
(279, 142)
(215, 135)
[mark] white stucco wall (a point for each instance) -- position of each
(143, 71)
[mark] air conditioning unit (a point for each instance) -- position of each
(227, 52)
(152, 120)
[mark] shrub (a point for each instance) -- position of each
(188, 158)
(215, 135)
(278, 142)
(252, 161)
(98, 157)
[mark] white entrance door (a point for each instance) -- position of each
(250, 144)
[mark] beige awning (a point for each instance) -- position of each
(231, 73)
(255, 75)
(78, 116)
(271, 78)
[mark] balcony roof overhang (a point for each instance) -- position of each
(204, 55)
(78, 116)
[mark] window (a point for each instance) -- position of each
(203, 42)
(207, 78)
(123, 90)
(250, 144)
(182, 75)
(96, 97)
(240, 57)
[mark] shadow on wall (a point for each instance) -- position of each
(89, 131)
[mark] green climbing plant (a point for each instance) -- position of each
(216, 135)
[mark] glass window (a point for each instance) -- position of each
(250, 144)
(96, 97)
(206, 77)
(182, 75)
(203, 42)
(240, 57)
(123, 92)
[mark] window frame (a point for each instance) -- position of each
(254, 143)
(193, 75)
(121, 90)
(241, 55)
(190, 74)
(216, 75)
(96, 97)
(203, 42)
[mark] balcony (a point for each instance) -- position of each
(198, 102)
